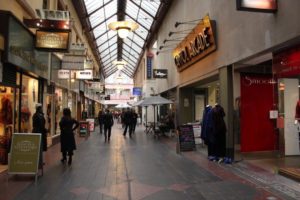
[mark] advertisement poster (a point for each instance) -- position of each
(83, 128)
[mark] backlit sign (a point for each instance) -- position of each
(55, 41)
(257, 5)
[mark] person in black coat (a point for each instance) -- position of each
(67, 140)
(100, 119)
(108, 122)
(134, 120)
(38, 124)
(128, 121)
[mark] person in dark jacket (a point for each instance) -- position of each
(134, 120)
(128, 120)
(100, 119)
(108, 122)
(38, 124)
(67, 140)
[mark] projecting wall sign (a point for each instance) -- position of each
(196, 45)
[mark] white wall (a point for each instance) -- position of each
(239, 34)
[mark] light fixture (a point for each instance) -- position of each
(120, 64)
(123, 27)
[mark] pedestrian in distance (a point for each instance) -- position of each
(134, 120)
(38, 124)
(128, 121)
(100, 119)
(108, 122)
(67, 139)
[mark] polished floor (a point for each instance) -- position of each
(142, 167)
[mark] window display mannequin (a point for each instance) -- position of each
(297, 113)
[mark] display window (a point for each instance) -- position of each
(6, 120)
(29, 98)
(61, 102)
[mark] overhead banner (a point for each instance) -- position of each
(257, 5)
(74, 62)
(63, 74)
(84, 75)
(160, 73)
(199, 43)
(52, 40)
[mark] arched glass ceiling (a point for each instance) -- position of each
(101, 12)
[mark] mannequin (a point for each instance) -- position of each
(297, 113)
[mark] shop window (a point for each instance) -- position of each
(29, 99)
(6, 121)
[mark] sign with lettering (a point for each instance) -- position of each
(53, 41)
(196, 45)
(75, 62)
(287, 63)
(186, 138)
(84, 74)
(137, 91)
(160, 73)
(149, 67)
(24, 153)
(257, 5)
(63, 74)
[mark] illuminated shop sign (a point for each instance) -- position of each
(55, 41)
(84, 75)
(196, 45)
(257, 5)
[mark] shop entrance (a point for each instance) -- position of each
(257, 100)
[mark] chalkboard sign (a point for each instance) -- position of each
(186, 138)
(83, 128)
(24, 153)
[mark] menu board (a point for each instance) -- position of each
(24, 153)
(186, 138)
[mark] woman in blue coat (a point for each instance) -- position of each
(67, 140)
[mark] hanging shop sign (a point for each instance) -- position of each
(196, 45)
(137, 91)
(257, 5)
(160, 73)
(63, 74)
(74, 62)
(96, 86)
(52, 40)
(84, 74)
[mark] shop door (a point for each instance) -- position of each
(257, 99)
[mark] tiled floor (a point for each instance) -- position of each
(145, 168)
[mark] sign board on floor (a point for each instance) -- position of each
(91, 124)
(197, 133)
(186, 138)
(83, 128)
(24, 153)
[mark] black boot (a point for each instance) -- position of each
(64, 159)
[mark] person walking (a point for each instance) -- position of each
(108, 122)
(134, 120)
(128, 120)
(67, 140)
(100, 119)
(38, 124)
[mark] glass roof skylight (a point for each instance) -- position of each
(102, 12)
